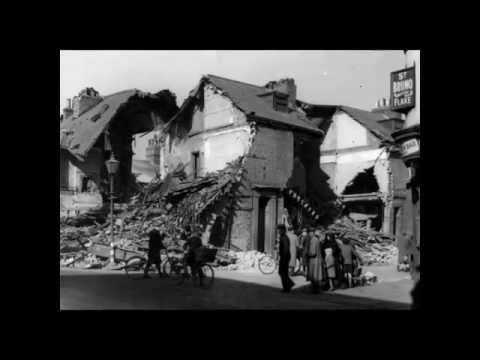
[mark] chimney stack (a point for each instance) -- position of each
(68, 111)
(382, 104)
(286, 86)
(86, 99)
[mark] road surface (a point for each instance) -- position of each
(100, 289)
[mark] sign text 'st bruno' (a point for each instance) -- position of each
(403, 89)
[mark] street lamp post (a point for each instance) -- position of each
(112, 168)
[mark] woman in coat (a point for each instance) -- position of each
(334, 260)
(315, 262)
(293, 249)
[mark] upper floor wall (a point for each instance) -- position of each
(217, 111)
(219, 133)
(346, 133)
(271, 161)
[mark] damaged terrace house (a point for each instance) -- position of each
(242, 158)
(91, 128)
(369, 180)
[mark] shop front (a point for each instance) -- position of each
(408, 142)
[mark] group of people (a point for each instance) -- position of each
(189, 241)
(324, 260)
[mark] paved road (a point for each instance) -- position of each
(98, 289)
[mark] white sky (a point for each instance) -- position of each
(356, 78)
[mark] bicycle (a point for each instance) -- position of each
(268, 264)
(179, 271)
(136, 264)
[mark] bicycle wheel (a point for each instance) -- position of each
(208, 276)
(135, 264)
(267, 265)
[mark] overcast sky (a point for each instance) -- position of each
(356, 78)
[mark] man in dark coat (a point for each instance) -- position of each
(194, 242)
(155, 245)
(284, 252)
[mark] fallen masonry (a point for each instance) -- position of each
(175, 205)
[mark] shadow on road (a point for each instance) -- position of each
(97, 291)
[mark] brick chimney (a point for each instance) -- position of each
(286, 86)
(67, 110)
(391, 119)
(86, 99)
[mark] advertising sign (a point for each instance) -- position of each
(402, 89)
(409, 147)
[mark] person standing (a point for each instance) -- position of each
(348, 255)
(284, 252)
(194, 243)
(332, 259)
(315, 262)
(300, 250)
(306, 246)
(155, 245)
(293, 238)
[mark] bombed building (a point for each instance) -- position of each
(259, 129)
(92, 128)
(369, 180)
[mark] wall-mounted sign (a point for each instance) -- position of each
(410, 147)
(402, 89)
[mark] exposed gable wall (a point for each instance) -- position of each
(346, 133)
(219, 132)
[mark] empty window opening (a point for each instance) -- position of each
(196, 164)
(364, 183)
(85, 184)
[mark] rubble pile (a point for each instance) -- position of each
(229, 260)
(379, 254)
(374, 247)
(368, 278)
(248, 259)
(91, 217)
(180, 205)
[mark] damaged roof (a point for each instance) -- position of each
(248, 98)
(78, 135)
(370, 120)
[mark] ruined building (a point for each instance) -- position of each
(91, 127)
(224, 120)
(369, 180)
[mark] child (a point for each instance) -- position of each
(330, 265)
(348, 255)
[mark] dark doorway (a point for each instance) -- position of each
(262, 205)
(218, 232)
(85, 183)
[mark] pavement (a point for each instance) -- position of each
(108, 289)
